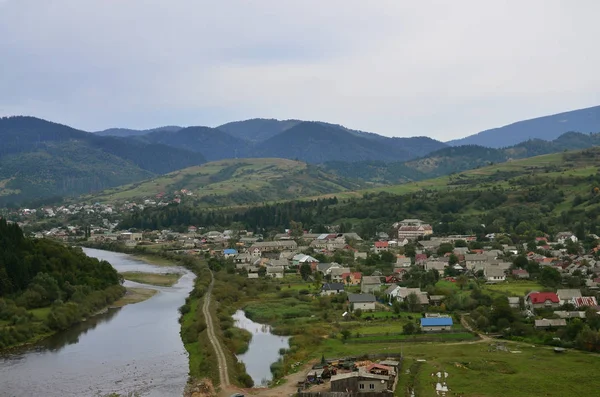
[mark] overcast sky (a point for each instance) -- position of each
(444, 69)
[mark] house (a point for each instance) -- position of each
(332, 288)
(475, 260)
(568, 315)
(540, 300)
(229, 253)
(436, 300)
(564, 237)
(351, 278)
(420, 259)
(275, 271)
(380, 246)
(494, 274)
(520, 274)
(436, 265)
(433, 324)
(244, 258)
(394, 278)
(514, 302)
(379, 369)
(550, 323)
(413, 229)
(360, 382)
(584, 301)
(370, 284)
(301, 259)
(267, 246)
(566, 295)
(337, 273)
(402, 261)
(402, 293)
(363, 302)
(430, 245)
(392, 292)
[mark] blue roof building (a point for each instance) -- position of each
(436, 323)
(229, 251)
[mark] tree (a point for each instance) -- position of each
(413, 303)
(305, 271)
(462, 281)
(452, 260)
(296, 229)
(409, 329)
(345, 334)
(520, 261)
(550, 277)
(318, 281)
(387, 257)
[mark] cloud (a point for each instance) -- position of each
(437, 68)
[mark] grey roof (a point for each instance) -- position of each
(566, 294)
(332, 287)
(561, 322)
(476, 257)
(361, 298)
(371, 280)
(437, 265)
(493, 271)
(322, 267)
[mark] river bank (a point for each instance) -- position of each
(133, 349)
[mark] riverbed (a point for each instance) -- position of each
(136, 348)
(263, 349)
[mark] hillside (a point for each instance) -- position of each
(234, 182)
(457, 159)
(546, 128)
(40, 159)
(126, 132)
(311, 142)
(529, 197)
(257, 130)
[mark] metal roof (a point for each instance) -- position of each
(436, 321)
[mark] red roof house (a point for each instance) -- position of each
(542, 299)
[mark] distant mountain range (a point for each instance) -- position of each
(546, 128)
(42, 159)
(456, 159)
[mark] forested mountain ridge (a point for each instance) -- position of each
(40, 273)
(547, 128)
(127, 132)
(42, 159)
(457, 159)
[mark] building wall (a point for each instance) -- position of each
(368, 288)
(365, 306)
(371, 385)
(437, 328)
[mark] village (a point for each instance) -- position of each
(408, 284)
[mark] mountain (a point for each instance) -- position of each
(312, 142)
(546, 128)
(456, 159)
(40, 159)
(315, 142)
(212, 143)
(234, 182)
(257, 130)
(125, 132)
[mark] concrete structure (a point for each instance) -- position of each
(361, 382)
(370, 284)
(365, 302)
(550, 323)
(413, 229)
(332, 288)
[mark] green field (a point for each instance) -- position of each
(515, 288)
(477, 369)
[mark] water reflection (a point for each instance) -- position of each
(133, 349)
(263, 349)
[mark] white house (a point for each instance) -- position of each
(494, 274)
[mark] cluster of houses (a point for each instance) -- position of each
(554, 301)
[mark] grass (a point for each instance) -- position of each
(40, 314)
(155, 260)
(478, 370)
(135, 295)
(158, 279)
(515, 288)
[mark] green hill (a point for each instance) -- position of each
(235, 182)
(40, 159)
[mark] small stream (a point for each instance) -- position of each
(263, 349)
(133, 349)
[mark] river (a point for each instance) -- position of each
(133, 349)
(263, 349)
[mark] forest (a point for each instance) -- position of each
(46, 286)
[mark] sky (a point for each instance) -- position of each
(444, 69)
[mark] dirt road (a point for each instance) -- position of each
(212, 337)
